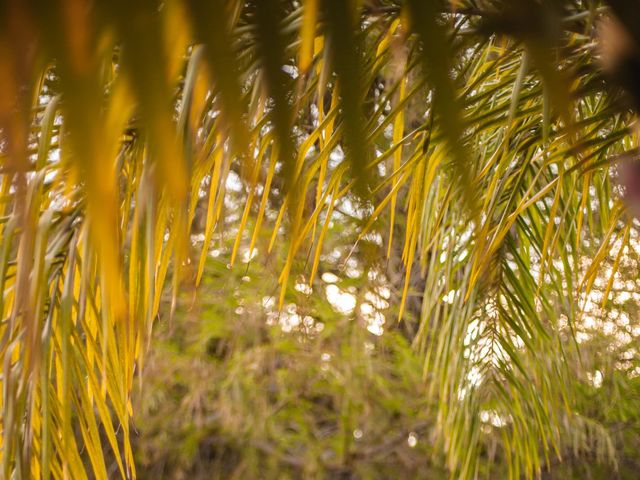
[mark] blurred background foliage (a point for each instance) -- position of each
(320, 238)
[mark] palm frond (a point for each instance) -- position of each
(119, 120)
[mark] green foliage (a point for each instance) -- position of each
(235, 389)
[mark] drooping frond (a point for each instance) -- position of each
(120, 120)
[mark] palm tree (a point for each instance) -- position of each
(479, 136)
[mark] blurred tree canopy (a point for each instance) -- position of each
(319, 239)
